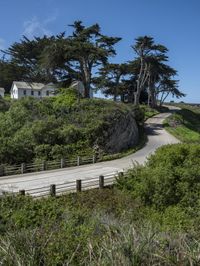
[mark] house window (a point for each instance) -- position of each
(39, 93)
(32, 93)
(47, 93)
(24, 92)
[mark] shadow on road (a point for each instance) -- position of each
(153, 129)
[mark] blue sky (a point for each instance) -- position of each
(174, 23)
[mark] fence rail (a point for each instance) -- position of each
(6, 170)
(76, 186)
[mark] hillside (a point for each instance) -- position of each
(185, 123)
(65, 126)
(150, 217)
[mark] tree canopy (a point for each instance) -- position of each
(84, 55)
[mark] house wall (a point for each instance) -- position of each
(28, 93)
(14, 92)
(47, 89)
(2, 93)
(19, 93)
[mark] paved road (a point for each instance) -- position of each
(157, 137)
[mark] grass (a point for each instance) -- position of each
(92, 228)
(185, 124)
(148, 111)
(113, 226)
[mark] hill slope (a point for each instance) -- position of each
(185, 123)
(64, 126)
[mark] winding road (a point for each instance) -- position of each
(157, 136)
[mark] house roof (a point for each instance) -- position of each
(28, 85)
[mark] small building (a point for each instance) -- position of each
(2, 92)
(21, 89)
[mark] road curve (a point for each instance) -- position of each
(157, 136)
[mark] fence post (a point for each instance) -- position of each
(2, 170)
(121, 174)
(53, 190)
(101, 182)
(78, 160)
(22, 192)
(94, 158)
(78, 185)
(62, 163)
(44, 166)
(23, 168)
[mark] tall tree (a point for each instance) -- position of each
(83, 52)
(27, 54)
(110, 78)
(145, 47)
(9, 72)
(157, 71)
(168, 87)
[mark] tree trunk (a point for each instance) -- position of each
(136, 98)
(153, 96)
(149, 94)
(87, 79)
(122, 98)
(115, 96)
(87, 90)
(149, 98)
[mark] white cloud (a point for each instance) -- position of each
(35, 27)
(2, 44)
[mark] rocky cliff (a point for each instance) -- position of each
(121, 134)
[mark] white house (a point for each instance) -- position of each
(79, 86)
(2, 91)
(21, 89)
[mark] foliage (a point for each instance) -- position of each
(84, 56)
(151, 216)
(148, 111)
(149, 72)
(59, 59)
(4, 105)
(110, 79)
(105, 227)
(171, 177)
(57, 127)
(185, 124)
(24, 61)
(10, 71)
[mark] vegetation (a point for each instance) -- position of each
(185, 123)
(171, 177)
(85, 55)
(149, 217)
(56, 127)
(151, 214)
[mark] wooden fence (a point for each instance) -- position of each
(72, 186)
(6, 170)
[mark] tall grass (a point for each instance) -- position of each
(121, 244)
(185, 124)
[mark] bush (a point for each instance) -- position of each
(170, 177)
(56, 127)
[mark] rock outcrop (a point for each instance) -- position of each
(122, 134)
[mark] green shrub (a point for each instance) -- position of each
(56, 127)
(171, 176)
(185, 124)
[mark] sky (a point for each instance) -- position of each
(173, 23)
